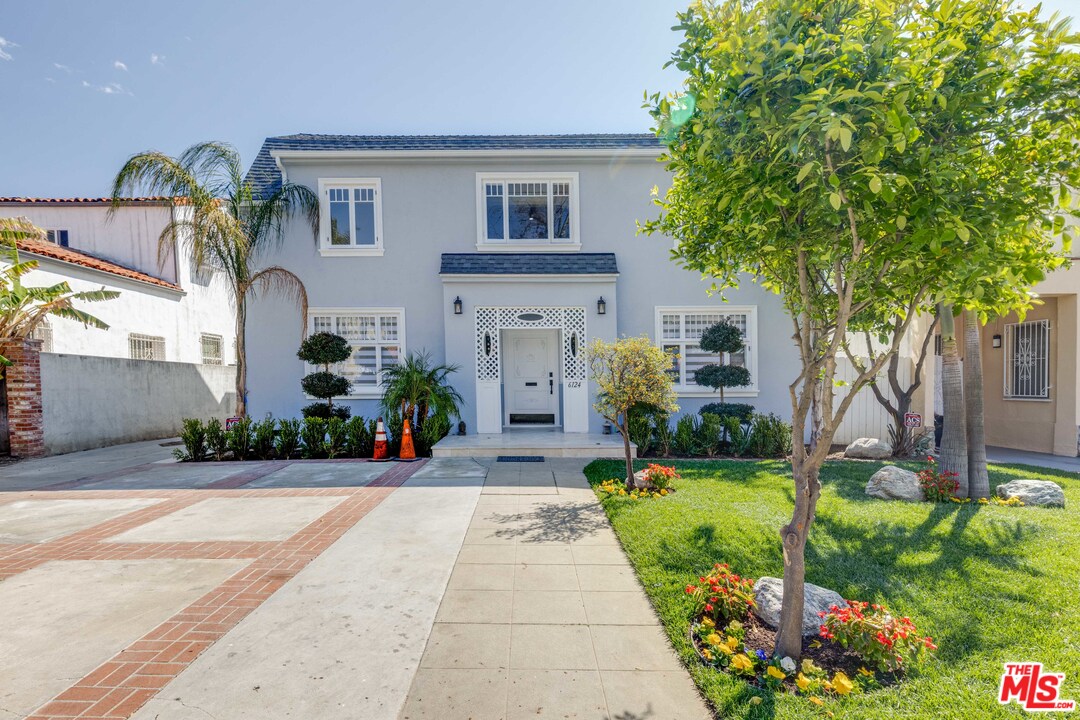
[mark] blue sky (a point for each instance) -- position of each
(86, 84)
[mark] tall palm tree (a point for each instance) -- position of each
(954, 456)
(224, 225)
(23, 309)
(416, 387)
(978, 476)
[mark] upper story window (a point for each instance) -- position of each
(212, 348)
(351, 217)
(527, 210)
(678, 331)
(1027, 360)
(59, 237)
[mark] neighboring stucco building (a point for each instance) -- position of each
(504, 255)
(167, 310)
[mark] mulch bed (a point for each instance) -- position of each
(829, 656)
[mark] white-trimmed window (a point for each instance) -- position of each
(678, 331)
(57, 237)
(146, 347)
(377, 337)
(212, 347)
(1027, 360)
(536, 211)
(351, 216)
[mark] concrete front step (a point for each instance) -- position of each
(545, 443)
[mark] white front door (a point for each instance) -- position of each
(532, 377)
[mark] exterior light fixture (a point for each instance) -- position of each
(997, 341)
(457, 305)
(607, 428)
(601, 306)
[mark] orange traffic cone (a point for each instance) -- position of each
(382, 448)
(407, 451)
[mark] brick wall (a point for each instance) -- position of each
(23, 379)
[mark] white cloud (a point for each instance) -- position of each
(49, 79)
(119, 65)
(109, 89)
(65, 68)
(4, 45)
(156, 59)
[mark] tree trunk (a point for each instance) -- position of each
(954, 454)
(816, 421)
(625, 430)
(978, 477)
(241, 355)
(804, 470)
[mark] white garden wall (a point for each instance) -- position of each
(89, 402)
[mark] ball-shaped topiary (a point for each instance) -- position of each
(723, 337)
(324, 349)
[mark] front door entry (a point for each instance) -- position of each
(532, 382)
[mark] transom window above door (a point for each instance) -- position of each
(350, 220)
(533, 211)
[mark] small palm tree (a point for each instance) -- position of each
(23, 308)
(417, 388)
(224, 225)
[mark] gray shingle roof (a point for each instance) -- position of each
(528, 264)
(265, 177)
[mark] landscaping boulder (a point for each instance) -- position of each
(769, 595)
(868, 449)
(895, 483)
(1033, 492)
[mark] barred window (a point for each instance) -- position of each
(146, 347)
(1027, 360)
(679, 330)
(212, 349)
(377, 338)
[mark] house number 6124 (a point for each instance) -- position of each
(574, 384)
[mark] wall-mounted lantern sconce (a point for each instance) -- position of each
(461, 428)
(607, 428)
(601, 306)
(997, 341)
(457, 305)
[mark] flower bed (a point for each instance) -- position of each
(860, 647)
(943, 486)
(656, 483)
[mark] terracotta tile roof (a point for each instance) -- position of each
(44, 248)
(154, 200)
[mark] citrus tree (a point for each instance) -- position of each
(806, 153)
(630, 372)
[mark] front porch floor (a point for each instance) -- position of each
(544, 442)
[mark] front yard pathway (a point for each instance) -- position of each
(543, 616)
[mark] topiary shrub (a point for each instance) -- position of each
(741, 411)
(324, 411)
(723, 337)
(324, 349)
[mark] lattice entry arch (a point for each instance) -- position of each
(490, 320)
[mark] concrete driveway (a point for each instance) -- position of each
(156, 590)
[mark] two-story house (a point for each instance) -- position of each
(505, 256)
(168, 309)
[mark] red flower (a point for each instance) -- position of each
(691, 589)
(708, 608)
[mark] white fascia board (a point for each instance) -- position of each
(529, 278)
(644, 153)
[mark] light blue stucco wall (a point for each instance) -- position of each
(428, 208)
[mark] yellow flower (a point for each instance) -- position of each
(708, 622)
(622, 492)
(713, 639)
(775, 672)
(816, 700)
(733, 643)
(809, 667)
(663, 492)
(841, 684)
(725, 649)
(707, 654)
(802, 682)
(866, 673)
(742, 663)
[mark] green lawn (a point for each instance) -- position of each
(990, 584)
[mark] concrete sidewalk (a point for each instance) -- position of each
(40, 472)
(544, 617)
(1024, 457)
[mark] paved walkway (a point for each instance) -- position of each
(543, 616)
(455, 588)
(1023, 457)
